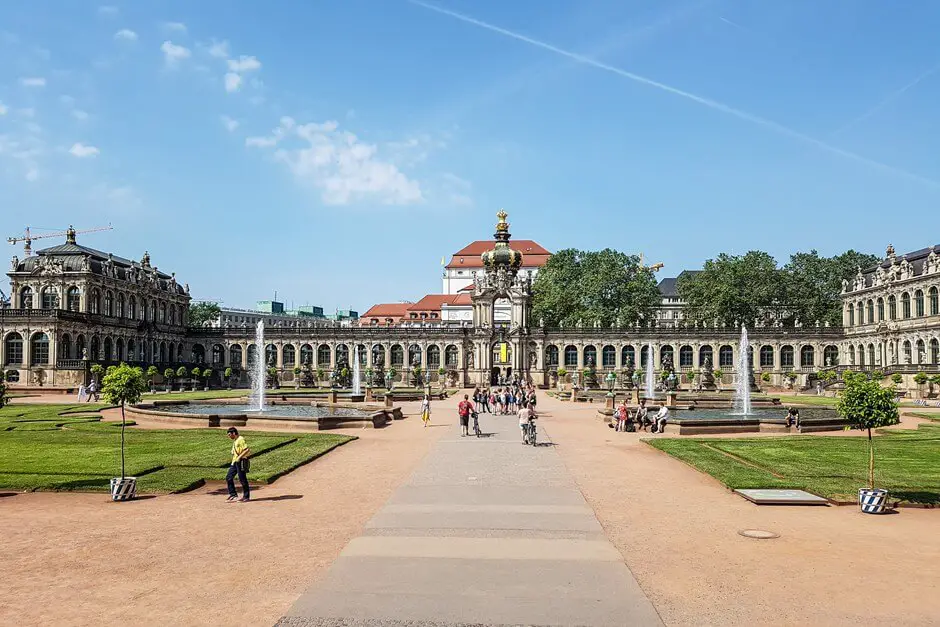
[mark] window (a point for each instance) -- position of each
(199, 353)
(235, 355)
(26, 298)
(919, 303)
(851, 316)
(94, 305)
(218, 354)
(706, 353)
(50, 298)
(766, 356)
(551, 356)
(434, 356)
(934, 298)
(571, 357)
(935, 351)
(39, 349)
(120, 306)
(270, 354)
(132, 308)
(921, 351)
(95, 349)
(132, 351)
(119, 349)
(892, 308)
(609, 357)
(108, 355)
(628, 357)
(450, 356)
(108, 303)
(397, 355)
(65, 346)
(851, 355)
(907, 351)
(871, 354)
(666, 352)
(881, 309)
(590, 355)
(807, 356)
(685, 357)
(80, 347)
(306, 354)
(871, 311)
(860, 313)
(831, 355)
(905, 305)
(13, 349)
(786, 356)
(726, 357)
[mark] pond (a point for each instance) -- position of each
(291, 411)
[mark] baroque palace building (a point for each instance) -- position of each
(72, 305)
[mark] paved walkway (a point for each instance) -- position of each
(487, 531)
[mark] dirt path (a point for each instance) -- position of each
(79, 559)
(678, 531)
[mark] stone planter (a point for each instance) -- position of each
(872, 501)
(123, 488)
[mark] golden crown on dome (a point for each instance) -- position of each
(502, 255)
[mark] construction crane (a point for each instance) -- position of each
(656, 267)
(70, 233)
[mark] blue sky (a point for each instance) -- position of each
(335, 151)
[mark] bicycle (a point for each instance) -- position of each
(529, 436)
(476, 424)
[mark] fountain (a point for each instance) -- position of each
(356, 384)
(742, 384)
(257, 374)
(650, 375)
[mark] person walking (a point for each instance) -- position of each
(463, 411)
(426, 410)
(240, 453)
(92, 391)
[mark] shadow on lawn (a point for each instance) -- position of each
(925, 497)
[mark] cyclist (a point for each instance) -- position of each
(526, 420)
(463, 411)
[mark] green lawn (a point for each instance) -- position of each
(799, 399)
(48, 447)
(907, 462)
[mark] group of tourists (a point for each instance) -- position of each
(504, 401)
(640, 419)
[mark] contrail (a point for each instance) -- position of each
(711, 104)
(887, 100)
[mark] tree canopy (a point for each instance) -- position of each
(203, 313)
(814, 283)
(606, 286)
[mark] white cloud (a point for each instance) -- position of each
(107, 10)
(33, 81)
(3, 109)
(230, 124)
(178, 27)
(244, 63)
(32, 174)
(27, 112)
(66, 100)
(82, 151)
(344, 169)
(219, 49)
(125, 34)
(173, 53)
(80, 115)
(232, 82)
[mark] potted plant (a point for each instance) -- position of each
(690, 376)
(181, 374)
(718, 373)
(320, 374)
(765, 377)
(877, 375)
(562, 373)
(152, 372)
(227, 375)
(867, 405)
(897, 378)
(206, 375)
(196, 373)
(123, 385)
(168, 375)
(934, 380)
(921, 380)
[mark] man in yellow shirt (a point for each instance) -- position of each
(240, 453)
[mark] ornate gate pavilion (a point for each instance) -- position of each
(72, 305)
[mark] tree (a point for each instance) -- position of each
(867, 405)
(201, 314)
(604, 286)
(125, 384)
(3, 389)
(151, 373)
(97, 370)
(814, 283)
(734, 289)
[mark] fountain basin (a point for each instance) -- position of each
(759, 420)
(296, 415)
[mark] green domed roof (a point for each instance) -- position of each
(502, 255)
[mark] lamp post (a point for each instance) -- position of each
(611, 380)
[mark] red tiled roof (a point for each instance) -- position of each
(387, 310)
(533, 255)
(433, 302)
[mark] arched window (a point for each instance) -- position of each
(921, 352)
(218, 354)
(162, 312)
(120, 306)
(270, 355)
(342, 354)
(163, 353)
(666, 351)
(94, 303)
(881, 309)
(871, 311)
(807, 357)
(706, 353)
(50, 298)
(80, 347)
(551, 356)
(919, 303)
(397, 355)
(132, 308)
(786, 356)
(172, 352)
(39, 349)
(590, 355)
(171, 316)
(450, 356)
(108, 303)
(13, 348)
(892, 307)
(609, 356)
(935, 351)
(434, 356)
(860, 313)
(153, 310)
(26, 298)
(851, 355)
(306, 354)
(907, 352)
(831, 355)
(851, 316)
(199, 353)
(235, 356)
(906, 305)
(65, 346)
(571, 356)
(628, 357)
(934, 298)
(871, 354)
(132, 350)
(324, 355)
(685, 357)
(766, 356)
(414, 355)
(95, 348)
(252, 355)
(726, 357)
(645, 357)
(119, 349)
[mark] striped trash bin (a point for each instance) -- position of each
(872, 501)
(123, 488)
